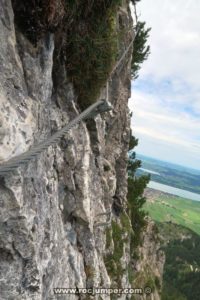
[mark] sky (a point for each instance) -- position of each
(165, 98)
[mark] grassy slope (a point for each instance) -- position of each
(182, 267)
(175, 209)
(180, 244)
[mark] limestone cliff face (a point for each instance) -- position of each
(148, 267)
(49, 208)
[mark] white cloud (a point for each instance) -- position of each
(152, 118)
(175, 28)
(166, 97)
(161, 150)
(151, 108)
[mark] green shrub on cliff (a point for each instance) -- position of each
(86, 38)
(91, 47)
(136, 200)
(141, 50)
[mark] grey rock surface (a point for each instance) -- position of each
(150, 263)
(49, 206)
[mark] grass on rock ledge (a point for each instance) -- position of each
(87, 38)
(91, 49)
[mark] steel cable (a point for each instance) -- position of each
(100, 106)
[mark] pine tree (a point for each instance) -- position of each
(140, 50)
(136, 200)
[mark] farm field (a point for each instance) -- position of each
(169, 208)
(178, 223)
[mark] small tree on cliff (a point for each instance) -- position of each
(141, 50)
(136, 200)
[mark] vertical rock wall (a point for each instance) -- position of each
(49, 207)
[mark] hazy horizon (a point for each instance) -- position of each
(166, 161)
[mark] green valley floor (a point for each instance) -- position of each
(178, 222)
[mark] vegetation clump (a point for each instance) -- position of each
(87, 38)
(108, 237)
(36, 18)
(113, 260)
(141, 50)
(136, 200)
(91, 46)
(126, 225)
(132, 222)
(117, 233)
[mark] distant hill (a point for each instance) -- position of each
(171, 174)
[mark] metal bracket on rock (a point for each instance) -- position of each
(102, 108)
(108, 220)
(13, 163)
